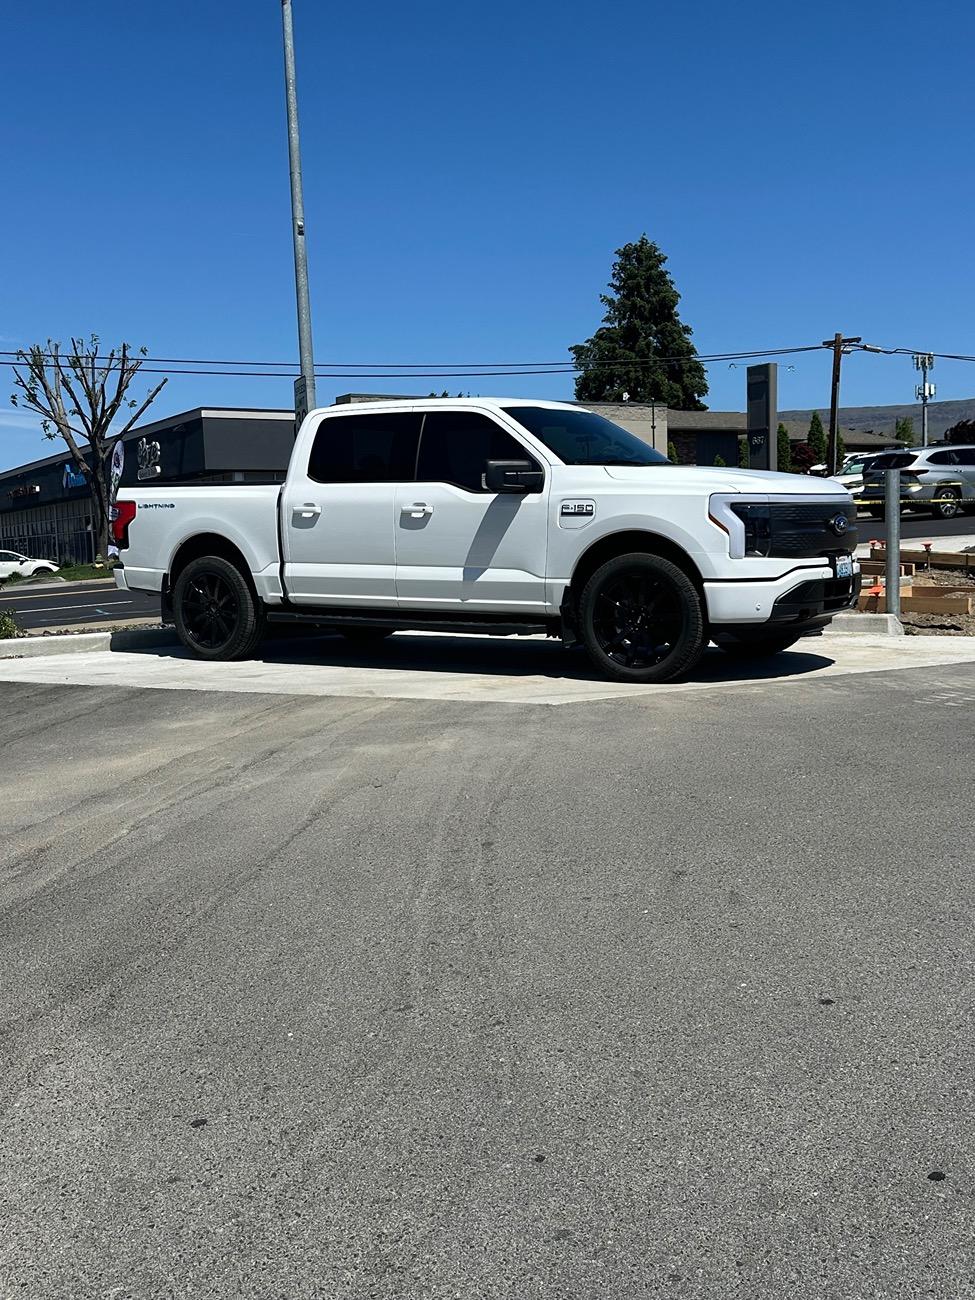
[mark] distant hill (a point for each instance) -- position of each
(881, 419)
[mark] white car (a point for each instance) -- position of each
(496, 516)
(851, 472)
(13, 564)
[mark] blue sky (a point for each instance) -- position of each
(469, 171)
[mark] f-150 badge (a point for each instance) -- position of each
(576, 513)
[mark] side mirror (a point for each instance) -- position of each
(513, 476)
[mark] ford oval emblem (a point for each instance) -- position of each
(839, 524)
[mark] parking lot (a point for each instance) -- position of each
(448, 992)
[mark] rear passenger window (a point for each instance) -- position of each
(372, 448)
(942, 458)
(965, 456)
(456, 445)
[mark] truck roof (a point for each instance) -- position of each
(499, 402)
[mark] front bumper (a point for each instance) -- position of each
(806, 595)
(812, 604)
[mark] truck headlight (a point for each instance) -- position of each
(758, 527)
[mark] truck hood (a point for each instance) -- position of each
(705, 478)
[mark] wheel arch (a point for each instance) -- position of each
(204, 544)
(625, 542)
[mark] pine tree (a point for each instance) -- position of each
(671, 452)
(744, 461)
(783, 450)
(640, 328)
(904, 431)
(817, 439)
(840, 448)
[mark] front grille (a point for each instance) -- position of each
(797, 531)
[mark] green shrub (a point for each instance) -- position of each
(8, 625)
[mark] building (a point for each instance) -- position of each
(45, 507)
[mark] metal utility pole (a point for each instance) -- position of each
(305, 386)
(837, 343)
(892, 501)
(924, 362)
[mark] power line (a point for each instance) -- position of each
(432, 368)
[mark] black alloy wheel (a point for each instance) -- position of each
(642, 619)
(210, 611)
(217, 614)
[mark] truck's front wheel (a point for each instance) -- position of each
(642, 619)
(217, 614)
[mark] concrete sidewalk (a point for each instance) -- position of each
(471, 669)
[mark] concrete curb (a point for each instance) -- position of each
(850, 623)
(35, 647)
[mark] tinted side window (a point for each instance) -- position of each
(893, 460)
(942, 458)
(372, 448)
(965, 456)
(455, 445)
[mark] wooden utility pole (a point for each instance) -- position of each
(837, 343)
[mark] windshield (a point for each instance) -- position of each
(582, 438)
(894, 460)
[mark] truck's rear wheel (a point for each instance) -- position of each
(641, 619)
(217, 614)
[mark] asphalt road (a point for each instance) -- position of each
(922, 527)
(69, 603)
(668, 996)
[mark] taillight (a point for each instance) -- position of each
(124, 513)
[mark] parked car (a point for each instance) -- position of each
(497, 517)
(12, 564)
(939, 480)
(851, 472)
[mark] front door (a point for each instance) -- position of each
(458, 545)
(337, 511)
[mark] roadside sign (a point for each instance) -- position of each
(301, 402)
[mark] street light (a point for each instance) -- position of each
(305, 386)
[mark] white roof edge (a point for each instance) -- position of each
(399, 403)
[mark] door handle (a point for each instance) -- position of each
(307, 511)
(417, 510)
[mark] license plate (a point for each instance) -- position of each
(844, 566)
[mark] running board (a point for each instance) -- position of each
(418, 623)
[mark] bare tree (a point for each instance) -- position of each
(80, 395)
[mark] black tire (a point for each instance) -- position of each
(758, 647)
(949, 504)
(877, 512)
(641, 619)
(366, 636)
(217, 614)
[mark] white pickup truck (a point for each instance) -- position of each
(496, 516)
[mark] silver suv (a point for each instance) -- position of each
(939, 480)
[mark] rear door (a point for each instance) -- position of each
(966, 469)
(337, 511)
(458, 544)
